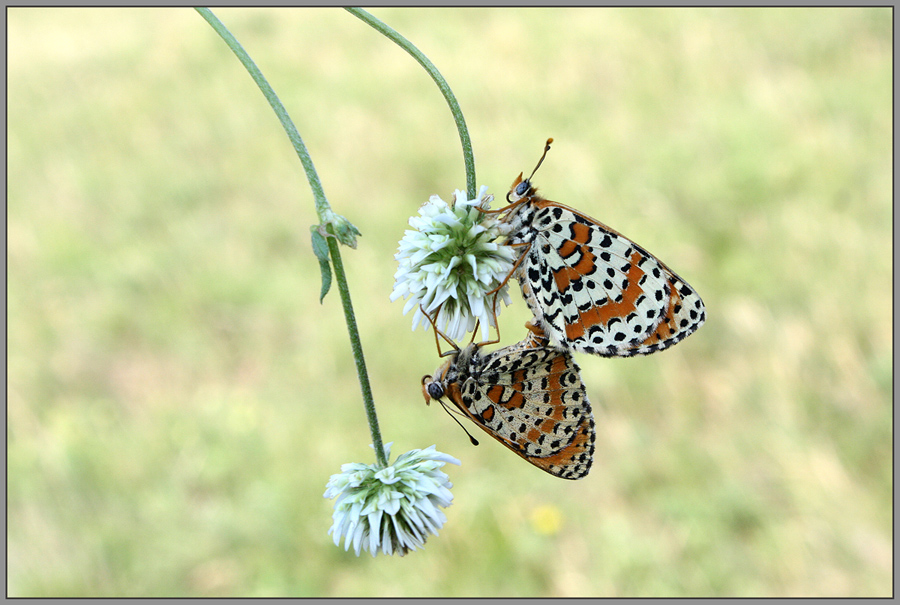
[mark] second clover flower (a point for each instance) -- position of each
(390, 509)
(449, 262)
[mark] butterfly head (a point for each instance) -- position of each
(431, 389)
(433, 386)
(522, 187)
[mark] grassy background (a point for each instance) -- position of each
(178, 397)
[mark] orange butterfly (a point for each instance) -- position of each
(590, 288)
(527, 396)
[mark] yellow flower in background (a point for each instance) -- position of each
(546, 519)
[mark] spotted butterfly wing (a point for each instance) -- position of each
(527, 396)
(589, 287)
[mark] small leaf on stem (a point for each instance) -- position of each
(320, 248)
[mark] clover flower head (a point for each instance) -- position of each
(449, 261)
(391, 508)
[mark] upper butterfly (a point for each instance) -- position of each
(589, 287)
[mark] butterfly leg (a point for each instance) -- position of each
(438, 331)
(505, 208)
(514, 268)
(496, 323)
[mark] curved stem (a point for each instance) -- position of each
(468, 156)
(327, 217)
(322, 207)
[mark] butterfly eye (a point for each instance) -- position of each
(435, 390)
(523, 188)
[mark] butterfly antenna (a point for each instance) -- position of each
(456, 420)
(541, 161)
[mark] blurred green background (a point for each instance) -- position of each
(178, 397)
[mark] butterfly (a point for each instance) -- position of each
(528, 396)
(590, 288)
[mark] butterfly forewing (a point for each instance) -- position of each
(530, 398)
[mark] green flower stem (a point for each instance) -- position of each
(356, 345)
(326, 216)
(406, 45)
(322, 207)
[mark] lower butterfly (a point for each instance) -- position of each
(527, 396)
(589, 287)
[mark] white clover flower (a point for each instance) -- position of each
(450, 261)
(391, 508)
